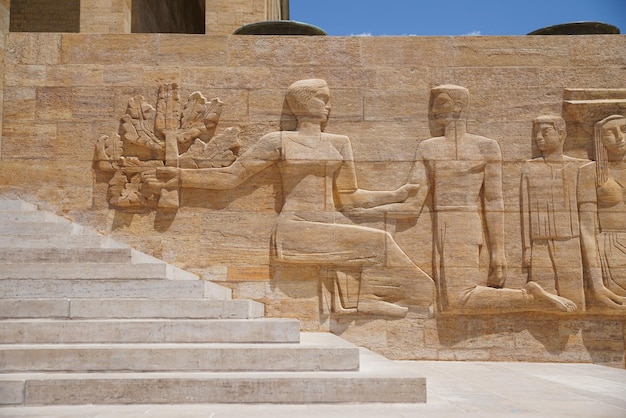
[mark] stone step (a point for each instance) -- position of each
(311, 354)
(80, 270)
(55, 240)
(49, 331)
(27, 216)
(175, 358)
(378, 380)
(16, 205)
(64, 255)
(130, 308)
(91, 288)
(36, 228)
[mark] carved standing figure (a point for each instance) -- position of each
(461, 174)
(549, 210)
(602, 211)
(319, 180)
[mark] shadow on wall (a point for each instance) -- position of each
(168, 16)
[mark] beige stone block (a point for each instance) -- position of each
(162, 74)
(28, 140)
(598, 51)
(501, 51)
(72, 75)
(494, 79)
(227, 22)
(349, 76)
(276, 51)
(404, 333)
(370, 332)
(193, 50)
(514, 105)
(93, 103)
(367, 139)
(235, 78)
(24, 75)
(410, 51)
(470, 355)
(251, 273)
(124, 75)
(109, 49)
(305, 310)
(54, 103)
(390, 106)
(76, 139)
(416, 78)
(609, 77)
(249, 290)
(265, 104)
(20, 103)
(33, 48)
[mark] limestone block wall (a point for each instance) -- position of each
(105, 16)
(62, 92)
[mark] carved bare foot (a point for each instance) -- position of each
(609, 299)
(559, 302)
(380, 307)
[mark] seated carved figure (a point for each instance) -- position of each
(461, 174)
(602, 209)
(319, 181)
(549, 211)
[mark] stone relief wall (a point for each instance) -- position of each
(448, 206)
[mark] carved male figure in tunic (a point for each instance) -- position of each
(602, 210)
(461, 175)
(319, 181)
(549, 211)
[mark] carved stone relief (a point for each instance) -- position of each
(602, 214)
(460, 175)
(572, 209)
(173, 134)
(319, 182)
(549, 212)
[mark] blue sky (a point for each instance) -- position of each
(451, 17)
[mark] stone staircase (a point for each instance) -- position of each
(86, 320)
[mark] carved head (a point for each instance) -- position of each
(612, 132)
(609, 141)
(549, 133)
(448, 103)
(309, 99)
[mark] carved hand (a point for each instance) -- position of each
(150, 184)
(406, 191)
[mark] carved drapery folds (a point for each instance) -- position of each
(173, 134)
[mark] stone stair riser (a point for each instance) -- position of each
(92, 288)
(62, 255)
(83, 271)
(130, 308)
(177, 358)
(297, 388)
(149, 331)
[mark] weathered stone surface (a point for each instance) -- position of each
(62, 93)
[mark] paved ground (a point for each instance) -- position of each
(455, 389)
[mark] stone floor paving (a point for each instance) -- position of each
(455, 389)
